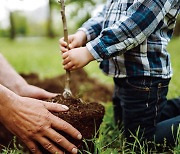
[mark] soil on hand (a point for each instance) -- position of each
(86, 117)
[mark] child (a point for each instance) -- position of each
(129, 39)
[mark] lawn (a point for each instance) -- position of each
(42, 56)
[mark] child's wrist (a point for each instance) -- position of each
(81, 34)
(89, 55)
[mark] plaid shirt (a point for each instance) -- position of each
(129, 37)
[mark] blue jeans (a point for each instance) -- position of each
(141, 104)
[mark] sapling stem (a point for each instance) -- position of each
(67, 92)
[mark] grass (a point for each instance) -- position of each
(173, 48)
(42, 56)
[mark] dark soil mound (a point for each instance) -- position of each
(81, 86)
(81, 115)
(86, 117)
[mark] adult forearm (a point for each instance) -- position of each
(6, 96)
(9, 77)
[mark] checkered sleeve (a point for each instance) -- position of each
(142, 18)
(93, 26)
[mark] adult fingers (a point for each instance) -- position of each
(49, 146)
(45, 94)
(60, 124)
(55, 107)
(39, 93)
(32, 147)
(62, 141)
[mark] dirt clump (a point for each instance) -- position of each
(86, 117)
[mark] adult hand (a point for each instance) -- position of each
(27, 90)
(13, 81)
(31, 121)
(76, 58)
(76, 40)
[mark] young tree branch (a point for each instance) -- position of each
(67, 93)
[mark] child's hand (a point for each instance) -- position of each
(76, 40)
(76, 58)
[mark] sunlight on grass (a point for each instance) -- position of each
(33, 55)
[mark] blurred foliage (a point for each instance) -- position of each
(4, 32)
(82, 10)
(77, 12)
(37, 29)
(18, 26)
(20, 23)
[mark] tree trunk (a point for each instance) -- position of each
(12, 26)
(50, 32)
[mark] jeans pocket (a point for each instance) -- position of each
(138, 83)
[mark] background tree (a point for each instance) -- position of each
(12, 25)
(50, 32)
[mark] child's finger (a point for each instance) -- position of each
(70, 38)
(73, 45)
(68, 66)
(62, 42)
(65, 61)
(73, 68)
(70, 46)
(65, 55)
(63, 49)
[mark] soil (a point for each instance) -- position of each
(84, 116)
(88, 89)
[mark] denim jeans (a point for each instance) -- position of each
(141, 104)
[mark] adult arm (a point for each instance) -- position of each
(31, 121)
(13, 81)
(142, 18)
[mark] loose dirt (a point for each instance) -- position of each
(88, 89)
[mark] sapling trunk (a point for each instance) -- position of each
(67, 92)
